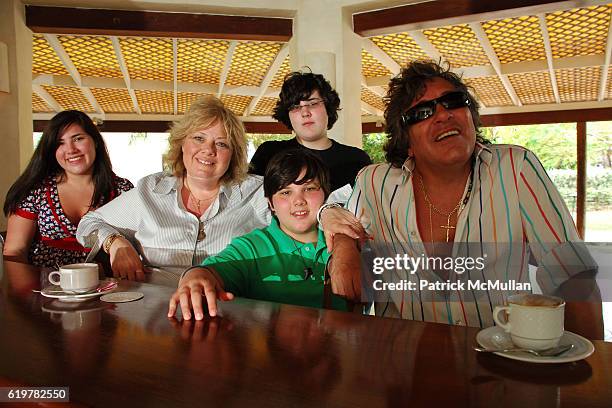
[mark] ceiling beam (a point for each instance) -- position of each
(490, 52)
(174, 76)
(549, 56)
(371, 109)
(276, 64)
(49, 100)
(73, 71)
(431, 14)
(226, 67)
(606, 65)
(66, 20)
(126, 74)
(381, 56)
(536, 118)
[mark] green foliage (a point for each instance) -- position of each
(554, 144)
(259, 138)
(135, 137)
(373, 145)
(598, 187)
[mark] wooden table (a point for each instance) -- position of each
(265, 354)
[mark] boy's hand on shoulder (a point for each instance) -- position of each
(195, 284)
(345, 269)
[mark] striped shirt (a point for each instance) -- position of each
(514, 212)
(153, 217)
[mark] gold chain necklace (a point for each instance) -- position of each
(195, 200)
(462, 202)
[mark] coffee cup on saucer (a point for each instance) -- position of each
(78, 278)
(533, 321)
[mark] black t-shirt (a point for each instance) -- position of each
(343, 162)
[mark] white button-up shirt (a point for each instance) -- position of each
(153, 217)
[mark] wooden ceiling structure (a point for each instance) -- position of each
(527, 61)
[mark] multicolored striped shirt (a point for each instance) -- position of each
(513, 213)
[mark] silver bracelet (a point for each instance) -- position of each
(325, 207)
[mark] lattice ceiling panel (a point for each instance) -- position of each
(265, 107)
(516, 39)
(38, 105)
(201, 61)
(113, 100)
(401, 47)
(371, 67)
(92, 56)
(155, 101)
(490, 91)
(279, 77)
(69, 97)
(533, 87)
(237, 103)
(44, 58)
(459, 45)
(578, 84)
(185, 99)
(148, 58)
(579, 31)
(250, 62)
(372, 99)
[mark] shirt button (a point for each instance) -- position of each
(412, 233)
(307, 248)
(458, 322)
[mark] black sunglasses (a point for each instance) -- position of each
(425, 110)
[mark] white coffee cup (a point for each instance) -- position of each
(534, 321)
(80, 277)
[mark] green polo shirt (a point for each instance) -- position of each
(267, 264)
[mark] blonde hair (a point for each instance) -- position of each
(203, 113)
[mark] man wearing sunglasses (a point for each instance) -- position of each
(309, 106)
(481, 210)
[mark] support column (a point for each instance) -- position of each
(16, 105)
(325, 42)
(581, 177)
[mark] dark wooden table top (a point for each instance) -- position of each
(265, 354)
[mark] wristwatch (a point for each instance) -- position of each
(108, 242)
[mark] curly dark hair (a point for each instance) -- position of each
(286, 166)
(408, 86)
(298, 86)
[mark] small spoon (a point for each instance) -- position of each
(549, 352)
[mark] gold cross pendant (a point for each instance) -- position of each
(448, 227)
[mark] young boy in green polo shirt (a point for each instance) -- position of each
(284, 262)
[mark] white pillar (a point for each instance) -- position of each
(16, 105)
(324, 41)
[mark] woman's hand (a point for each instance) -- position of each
(340, 221)
(125, 261)
(189, 294)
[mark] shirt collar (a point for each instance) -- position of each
(482, 152)
(170, 183)
(287, 242)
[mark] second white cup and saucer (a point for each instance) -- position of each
(77, 282)
(533, 322)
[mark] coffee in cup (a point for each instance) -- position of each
(80, 277)
(533, 321)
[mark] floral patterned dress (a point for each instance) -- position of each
(55, 240)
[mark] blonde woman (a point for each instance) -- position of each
(177, 218)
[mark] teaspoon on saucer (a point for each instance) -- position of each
(549, 352)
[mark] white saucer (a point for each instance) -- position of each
(56, 292)
(495, 338)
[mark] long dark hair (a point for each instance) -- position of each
(43, 162)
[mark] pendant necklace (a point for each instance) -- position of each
(198, 202)
(457, 209)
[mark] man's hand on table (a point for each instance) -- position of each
(195, 284)
(125, 261)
